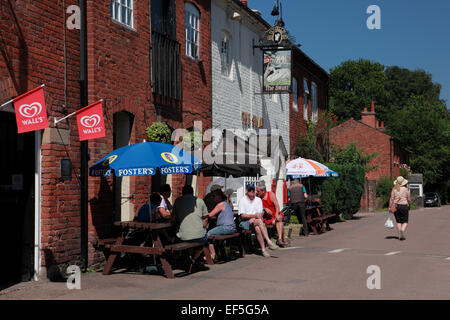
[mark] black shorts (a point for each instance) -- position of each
(402, 213)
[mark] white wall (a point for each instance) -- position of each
(239, 92)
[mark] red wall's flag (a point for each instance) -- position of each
(90, 121)
(30, 110)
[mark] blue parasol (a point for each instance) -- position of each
(143, 159)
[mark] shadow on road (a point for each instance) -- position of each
(391, 237)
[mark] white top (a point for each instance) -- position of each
(165, 204)
(250, 207)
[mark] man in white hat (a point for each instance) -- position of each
(399, 204)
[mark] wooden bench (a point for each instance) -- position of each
(117, 246)
(322, 219)
(219, 243)
(103, 243)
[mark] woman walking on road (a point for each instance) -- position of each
(399, 204)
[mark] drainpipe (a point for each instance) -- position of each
(83, 144)
(390, 155)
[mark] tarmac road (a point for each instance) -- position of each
(328, 266)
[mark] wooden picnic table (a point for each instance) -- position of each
(157, 248)
(318, 220)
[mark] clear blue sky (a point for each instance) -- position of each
(415, 34)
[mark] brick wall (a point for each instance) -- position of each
(33, 34)
(118, 72)
(371, 140)
(304, 68)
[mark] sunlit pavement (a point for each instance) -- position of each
(327, 266)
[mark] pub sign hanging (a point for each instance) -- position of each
(277, 76)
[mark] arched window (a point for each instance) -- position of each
(192, 28)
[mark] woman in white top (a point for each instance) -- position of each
(400, 203)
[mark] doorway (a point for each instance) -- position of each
(17, 170)
(123, 206)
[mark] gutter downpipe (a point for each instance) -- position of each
(83, 144)
(390, 155)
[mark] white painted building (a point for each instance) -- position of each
(237, 83)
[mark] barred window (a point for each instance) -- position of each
(305, 98)
(294, 95)
(122, 12)
(192, 22)
(314, 102)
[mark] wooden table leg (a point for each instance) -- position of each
(165, 264)
(112, 256)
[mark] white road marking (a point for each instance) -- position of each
(290, 248)
(448, 258)
(337, 250)
(392, 253)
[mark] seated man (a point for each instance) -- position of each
(191, 218)
(146, 215)
(272, 214)
(251, 213)
(225, 220)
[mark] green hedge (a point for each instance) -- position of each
(384, 189)
(342, 195)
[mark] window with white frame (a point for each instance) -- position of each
(192, 27)
(225, 54)
(294, 95)
(314, 102)
(122, 12)
(305, 98)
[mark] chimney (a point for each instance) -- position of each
(369, 117)
(244, 2)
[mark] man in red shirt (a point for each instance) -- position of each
(272, 214)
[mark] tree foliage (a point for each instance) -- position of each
(342, 195)
(408, 101)
(351, 154)
(307, 145)
(423, 127)
(354, 85)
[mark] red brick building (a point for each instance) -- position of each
(309, 97)
(140, 62)
(369, 134)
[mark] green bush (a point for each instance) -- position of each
(342, 195)
(294, 220)
(193, 140)
(384, 189)
(159, 132)
(404, 173)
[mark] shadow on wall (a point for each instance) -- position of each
(53, 272)
(102, 207)
(20, 87)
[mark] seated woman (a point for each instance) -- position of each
(225, 220)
